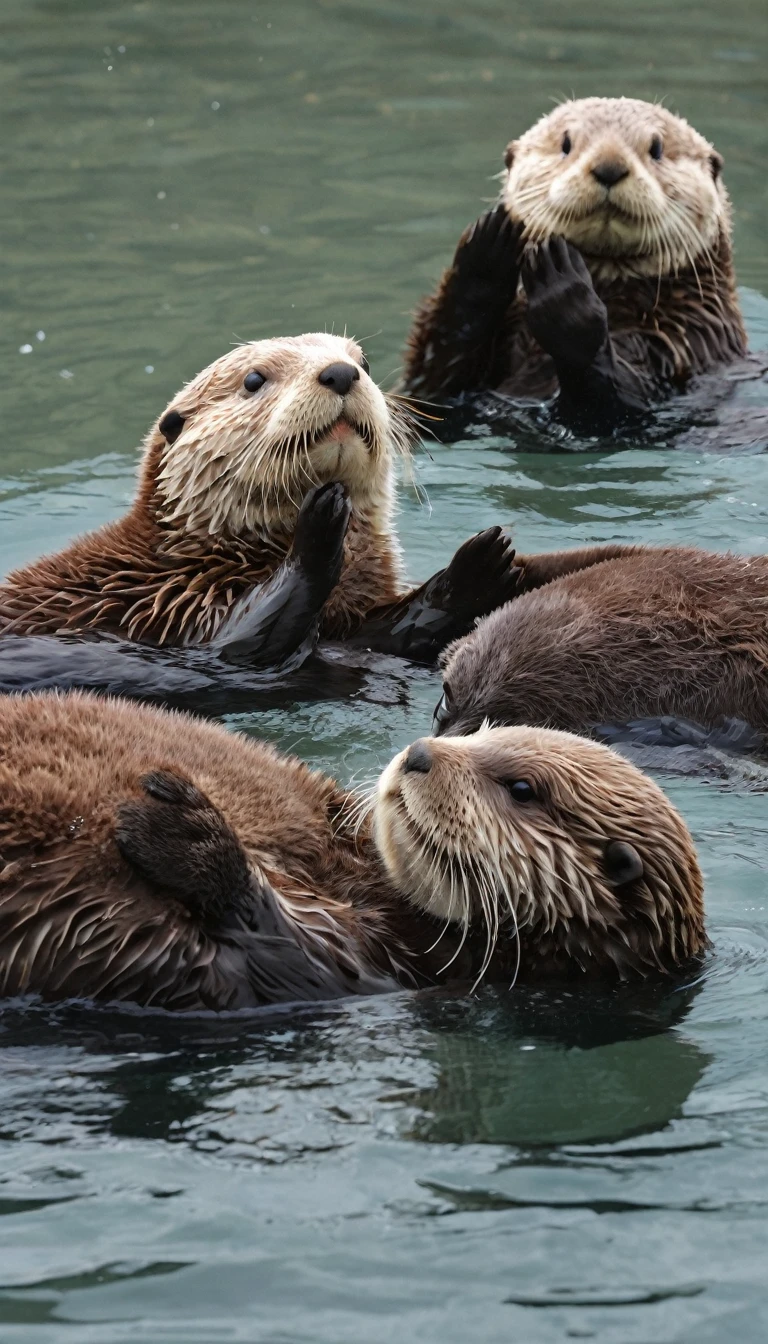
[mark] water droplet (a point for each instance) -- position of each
(174, 226)
(161, 195)
(527, 1047)
(25, 349)
(40, 335)
(215, 106)
(66, 373)
(264, 228)
(150, 121)
(107, 51)
(149, 368)
(121, 50)
(109, 67)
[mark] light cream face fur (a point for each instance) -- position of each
(663, 216)
(244, 460)
(459, 844)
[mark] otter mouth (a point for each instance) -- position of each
(339, 430)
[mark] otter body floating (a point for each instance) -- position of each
(150, 857)
(612, 634)
(604, 275)
(264, 514)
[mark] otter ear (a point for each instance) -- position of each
(716, 164)
(622, 863)
(171, 425)
(509, 153)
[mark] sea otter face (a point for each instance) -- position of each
(634, 187)
(238, 448)
(546, 833)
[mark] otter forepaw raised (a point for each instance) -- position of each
(322, 526)
(482, 575)
(177, 839)
(565, 315)
(487, 260)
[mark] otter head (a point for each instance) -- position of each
(545, 837)
(237, 449)
(634, 187)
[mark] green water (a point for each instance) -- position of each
(179, 175)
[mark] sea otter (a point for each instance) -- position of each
(218, 548)
(604, 274)
(611, 634)
(151, 857)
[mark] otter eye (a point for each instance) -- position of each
(253, 381)
(171, 426)
(622, 863)
(442, 713)
(521, 791)
(657, 149)
(364, 365)
(566, 145)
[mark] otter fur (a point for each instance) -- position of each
(224, 473)
(614, 634)
(604, 274)
(151, 857)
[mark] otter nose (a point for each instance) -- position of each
(609, 172)
(419, 758)
(339, 377)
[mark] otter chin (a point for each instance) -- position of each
(546, 839)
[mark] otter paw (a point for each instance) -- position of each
(176, 839)
(482, 575)
(565, 315)
(322, 526)
(486, 267)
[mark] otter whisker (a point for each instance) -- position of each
(465, 920)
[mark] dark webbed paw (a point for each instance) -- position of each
(487, 261)
(321, 527)
(176, 839)
(482, 575)
(565, 315)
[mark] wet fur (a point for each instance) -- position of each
(461, 846)
(149, 857)
(78, 920)
(616, 634)
(215, 508)
(673, 311)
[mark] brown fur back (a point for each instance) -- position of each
(667, 631)
(76, 919)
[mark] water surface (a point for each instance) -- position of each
(535, 1167)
